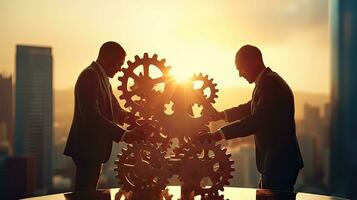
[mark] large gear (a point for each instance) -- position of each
(206, 162)
(139, 86)
(142, 167)
(205, 85)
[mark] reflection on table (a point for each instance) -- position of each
(231, 193)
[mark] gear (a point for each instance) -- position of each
(138, 85)
(142, 167)
(206, 168)
(212, 196)
(204, 84)
(182, 100)
(157, 136)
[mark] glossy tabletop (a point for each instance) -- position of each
(231, 193)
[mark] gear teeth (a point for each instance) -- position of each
(200, 74)
(137, 58)
(124, 70)
(146, 55)
(162, 62)
(129, 64)
(154, 57)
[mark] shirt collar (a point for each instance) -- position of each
(102, 70)
(259, 77)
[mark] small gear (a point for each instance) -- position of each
(206, 168)
(212, 196)
(138, 85)
(155, 132)
(142, 167)
(204, 84)
(182, 97)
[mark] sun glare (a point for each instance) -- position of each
(180, 76)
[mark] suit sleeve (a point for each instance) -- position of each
(264, 110)
(118, 112)
(239, 112)
(87, 90)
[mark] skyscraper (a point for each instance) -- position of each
(6, 112)
(344, 98)
(34, 109)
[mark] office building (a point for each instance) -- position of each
(34, 110)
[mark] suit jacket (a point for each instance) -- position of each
(93, 127)
(270, 117)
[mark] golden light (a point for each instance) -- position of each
(181, 75)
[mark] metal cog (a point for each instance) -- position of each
(139, 89)
(206, 84)
(182, 97)
(157, 136)
(142, 167)
(206, 161)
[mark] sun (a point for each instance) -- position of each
(180, 75)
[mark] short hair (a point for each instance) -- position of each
(249, 53)
(111, 48)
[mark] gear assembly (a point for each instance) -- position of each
(173, 113)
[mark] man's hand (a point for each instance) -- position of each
(207, 136)
(215, 115)
(130, 118)
(137, 134)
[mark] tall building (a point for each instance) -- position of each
(343, 137)
(246, 173)
(34, 107)
(6, 111)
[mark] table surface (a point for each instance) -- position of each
(231, 193)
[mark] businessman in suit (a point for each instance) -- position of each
(96, 117)
(269, 116)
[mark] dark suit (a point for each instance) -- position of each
(93, 129)
(270, 117)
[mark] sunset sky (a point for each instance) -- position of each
(193, 35)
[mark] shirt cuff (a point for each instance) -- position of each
(222, 134)
(123, 136)
(225, 116)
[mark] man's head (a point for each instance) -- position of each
(249, 62)
(111, 57)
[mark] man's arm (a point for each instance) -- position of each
(118, 113)
(238, 113)
(264, 110)
(87, 90)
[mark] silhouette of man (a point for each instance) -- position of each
(96, 115)
(269, 115)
